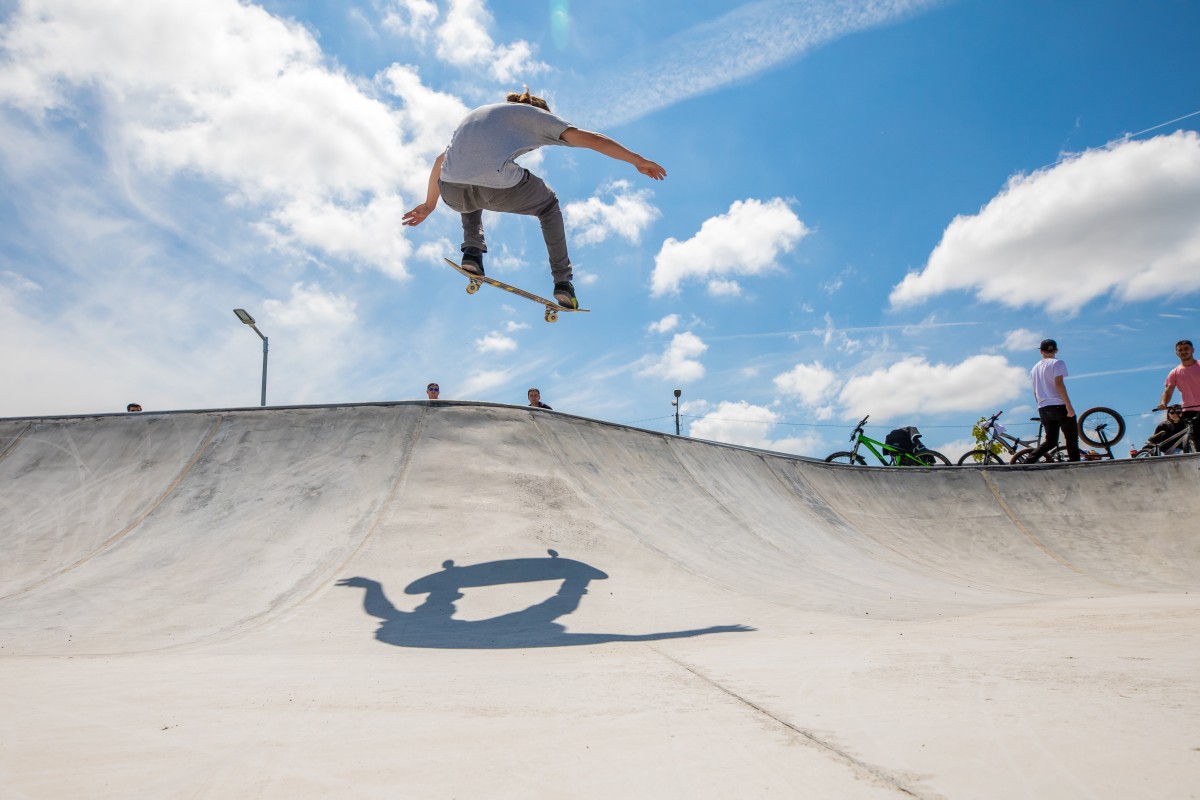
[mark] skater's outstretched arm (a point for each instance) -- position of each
(613, 149)
(432, 193)
(375, 602)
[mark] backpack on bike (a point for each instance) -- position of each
(906, 439)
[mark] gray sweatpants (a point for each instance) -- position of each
(531, 197)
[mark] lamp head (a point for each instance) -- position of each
(243, 316)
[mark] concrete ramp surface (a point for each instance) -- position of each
(470, 600)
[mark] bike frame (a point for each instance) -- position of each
(897, 455)
(1184, 440)
(1009, 443)
(1105, 443)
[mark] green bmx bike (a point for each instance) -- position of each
(888, 455)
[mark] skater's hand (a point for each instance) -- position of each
(650, 169)
(418, 214)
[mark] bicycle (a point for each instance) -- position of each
(896, 456)
(1093, 425)
(1183, 441)
(1009, 443)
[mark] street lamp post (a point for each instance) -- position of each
(675, 403)
(249, 320)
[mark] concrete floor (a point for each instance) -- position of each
(470, 600)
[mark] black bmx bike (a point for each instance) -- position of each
(1098, 427)
(1182, 441)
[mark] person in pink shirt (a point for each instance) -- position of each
(1185, 377)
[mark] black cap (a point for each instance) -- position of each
(1047, 345)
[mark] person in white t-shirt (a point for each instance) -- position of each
(1054, 405)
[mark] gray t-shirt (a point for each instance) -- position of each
(483, 148)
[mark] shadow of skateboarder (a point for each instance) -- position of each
(432, 624)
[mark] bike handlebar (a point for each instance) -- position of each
(859, 428)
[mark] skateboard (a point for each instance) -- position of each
(474, 281)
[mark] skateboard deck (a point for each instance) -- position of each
(474, 281)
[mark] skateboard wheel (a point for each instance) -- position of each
(551, 316)
(472, 287)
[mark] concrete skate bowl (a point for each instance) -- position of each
(613, 610)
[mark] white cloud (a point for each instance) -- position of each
(665, 325)
(833, 336)
(747, 240)
(1121, 220)
(182, 349)
(463, 40)
(436, 251)
(310, 308)
(225, 93)
(363, 233)
(411, 18)
(952, 449)
(483, 383)
(426, 118)
(750, 39)
(1021, 339)
(808, 382)
(914, 387)
(735, 423)
(138, 50)
(679, 362)
(311, 332)
(17, 283)
(592, 221)
(719, 287)
(496, 342)
(748, 425)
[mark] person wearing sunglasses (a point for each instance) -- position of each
(432, 391)
(1172, 425)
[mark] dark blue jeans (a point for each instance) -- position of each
(1055, 419)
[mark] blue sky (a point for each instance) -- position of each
(871, 208)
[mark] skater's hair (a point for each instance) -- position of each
(1188, 342)
(528, 99)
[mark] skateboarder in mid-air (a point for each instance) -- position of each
(477, 172)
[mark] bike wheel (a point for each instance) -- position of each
(981, 456)
(1022, 456)
(932, 458)
(1101, 427)
(852, 459)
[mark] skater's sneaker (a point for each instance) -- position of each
(564, 295)
(472, 260)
